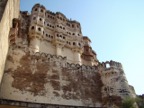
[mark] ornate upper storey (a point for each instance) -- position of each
(55, 34)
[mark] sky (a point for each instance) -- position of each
(115, 27)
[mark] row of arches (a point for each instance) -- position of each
(74, 34)
(78, 44)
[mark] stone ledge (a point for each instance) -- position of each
(17, 104)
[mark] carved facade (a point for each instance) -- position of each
(50, 62)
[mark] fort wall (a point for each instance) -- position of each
(9, 10)
(50, 62)
(45, 78)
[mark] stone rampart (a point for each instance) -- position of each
(44, 78)
(9, 10)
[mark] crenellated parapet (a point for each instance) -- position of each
(50, 62)
(38, 10)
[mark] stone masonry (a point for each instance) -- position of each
(50, 64)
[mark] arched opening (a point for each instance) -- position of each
(42, 10)
(36, 9)
(39, 29)
(34, 18)
(107, 65)
(74, 43)
(32, 27)
(40, 19)
(72, 26)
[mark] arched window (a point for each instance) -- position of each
(72, 26)
(40, 19)
(41, 10)
(73, 43)
(34, 18)
(32, 27)
(73, 33)
(39, 29)
(36, 9)
(68, 24)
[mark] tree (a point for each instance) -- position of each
(140, 102)
(128, 103)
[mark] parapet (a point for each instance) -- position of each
(37, 6)
(111, 64)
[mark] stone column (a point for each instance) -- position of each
(35, 44)
(77, 56)
(59, 50)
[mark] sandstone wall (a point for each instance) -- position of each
(115, 83)
(49, 79)
(9, 10)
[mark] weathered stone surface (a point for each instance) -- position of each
(9, 9)
(50, 64)
(41, 75)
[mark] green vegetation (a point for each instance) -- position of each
(128, 103)
(140, 102)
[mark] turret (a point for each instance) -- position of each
(59, 42)
(88, 55)
(39, 10)
(77, 51)
(114, 80)
(36, 29)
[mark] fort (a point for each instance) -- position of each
(46, 62)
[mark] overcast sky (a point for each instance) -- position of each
(115, 27)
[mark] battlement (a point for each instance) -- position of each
(50, 62)
(41, 11)
(111, 65)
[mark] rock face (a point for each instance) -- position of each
(50, 62)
